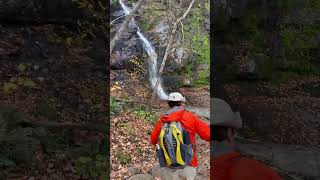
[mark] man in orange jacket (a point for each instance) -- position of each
(227, 163)
(189, 122)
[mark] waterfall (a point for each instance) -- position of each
(153, 69)
(152, 57)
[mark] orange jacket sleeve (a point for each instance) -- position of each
(251, 170)
(155, 133)
(202, 129)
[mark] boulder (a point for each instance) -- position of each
(180, 55)
(293, 159)
(156, 171)
(141, 177)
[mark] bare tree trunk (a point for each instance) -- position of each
(124, 25)
(174, 29)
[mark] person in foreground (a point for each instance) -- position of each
(174, 135)
(227, 162)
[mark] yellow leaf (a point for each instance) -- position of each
(69, 41)
(20, 81)
(9, 86)
(101, 5)
(29, 83)
(90, 6)
(13, 79)
(22, 67)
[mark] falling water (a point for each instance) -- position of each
(153, 69)
(152, 55)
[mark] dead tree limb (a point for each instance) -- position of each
(174, 29)
(124, 25)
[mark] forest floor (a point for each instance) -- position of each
(286, 113)
(49, 74)
(131, 150)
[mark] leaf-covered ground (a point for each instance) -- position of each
(131, 150)
(286, 113)
(50, 74)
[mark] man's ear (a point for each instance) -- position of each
(229, 134)
(234, 131)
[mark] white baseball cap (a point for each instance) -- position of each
(222, 114)
(175, 96)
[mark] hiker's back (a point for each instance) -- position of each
(249, 169)
(188, 122)
(233, 166)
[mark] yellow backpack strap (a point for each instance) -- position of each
(177, 133)
(161, 139)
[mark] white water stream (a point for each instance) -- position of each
(152, 55)
(153, 69)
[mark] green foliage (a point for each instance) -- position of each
(282, 76)
(123, 157)
(16, 82)
(44, 109)
(312, 5)
(92, 167)
(92, 5)
(116, 107)
(207, 6)
(145, 114)
(199, 43)
(22, 67)
(9, 86)
(147, 26)
(284, 4)
(298, 54)
(299, 44)
(17, 144)
(113, 2)
(152, 15)
(139, 151)
(10, 118)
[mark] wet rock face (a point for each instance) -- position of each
(179, 56)
(128, 48)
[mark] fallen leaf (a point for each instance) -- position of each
(29, 83)
(22, 67)
(9, 86)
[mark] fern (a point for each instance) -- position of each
(16, 144)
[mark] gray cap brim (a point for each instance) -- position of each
(221, 114)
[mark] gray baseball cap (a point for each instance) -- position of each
(221, 114)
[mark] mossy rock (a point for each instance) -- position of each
(264, 66)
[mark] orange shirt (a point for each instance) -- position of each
(189, 122)
(234, 166)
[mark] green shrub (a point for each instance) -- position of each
(199, 43)
(116, 107)
(313, 5)
(92, 167)
(143, 113)
(44, 109)
(124, 157)
(299, 44)
(17, 144)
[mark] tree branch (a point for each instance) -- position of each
(119, 18)
(124, 25)
(168, 49)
